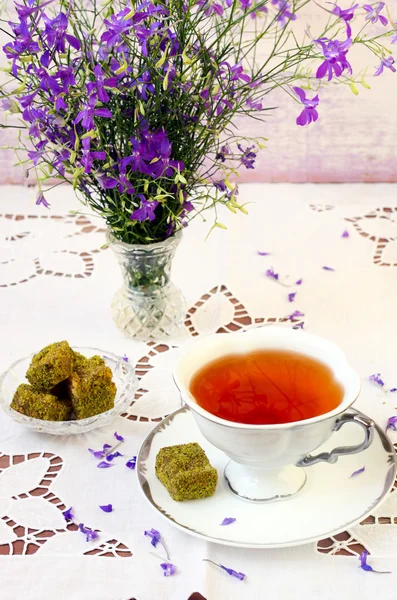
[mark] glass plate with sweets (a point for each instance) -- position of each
(63, 390)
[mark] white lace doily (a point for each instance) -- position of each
(57, 282)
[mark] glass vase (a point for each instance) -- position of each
(148, 305)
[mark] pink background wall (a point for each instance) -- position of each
(355, 138)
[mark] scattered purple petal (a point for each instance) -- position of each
(107, 508)
(264, 253)
(110, 457)
(68, 514)
(154, 535)
(366, 567)
(377, 379)
(393, 390)
(118, 437)
(104, 465)
(363, 561)
(391, 424)
(345, 234)
(270, 273)
(357, 472)
(298, 326)
(291, 296)
(90, 534)
(228, 521)
(295, 314)
(99, 453)
(131, 464)
(168, 568)
(232, 572)
(125, 358)
(155, 538)
(328, 268)
(299, 282)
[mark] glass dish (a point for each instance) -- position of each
(123, 376)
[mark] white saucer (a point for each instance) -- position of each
(330, 502)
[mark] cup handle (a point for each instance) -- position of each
(331, 457)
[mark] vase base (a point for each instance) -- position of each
(148, 316)
(264, 485)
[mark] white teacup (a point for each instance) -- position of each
(266, 460)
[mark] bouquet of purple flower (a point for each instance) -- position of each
(133, 102)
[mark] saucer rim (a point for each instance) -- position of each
(145, 490)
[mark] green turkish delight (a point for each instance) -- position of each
(186, 472)
(40, 405)
(91, 388)
(50, 366)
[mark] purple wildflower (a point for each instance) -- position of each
(373, 13)
(104, 465)
(90, 534)
(270, 273)
(299, 282)
(261, 253)
(391, 423)
(88, 112)
(295, 314)
(41, 200)
(100, 82)
(247, 157)
(117, 26)
(168, 568)
(335, 58)
(328, 268)
(228, 521)
(125, 358)
(256, 11)
(55, 33)
(376, 378)
(346, 15)
(118, 437)
(394, 38)
(309, 114)
(131, 464)
(254, 104)
(68, 514)
(107, 508)
(345, 234)
(31, 9)
(145, 211)
(284, 14)
(291, 296)
(107, 182)
(222, 154)
(210, 7)
(357, 472)
(154, 535)
(385, 62)
(220, 186)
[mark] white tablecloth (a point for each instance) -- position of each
(56, 282)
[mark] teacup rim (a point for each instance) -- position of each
(193, 405)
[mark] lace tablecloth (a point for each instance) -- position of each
(57, 282)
